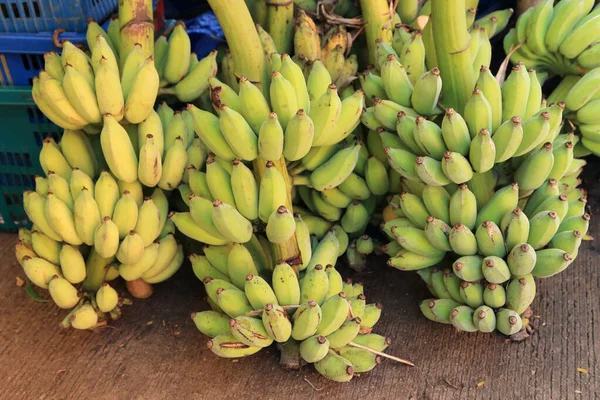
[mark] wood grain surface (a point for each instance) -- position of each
(155, 352)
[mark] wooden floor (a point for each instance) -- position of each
(155, 352)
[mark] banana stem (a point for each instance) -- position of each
(260, 311)
(376, 18)
(289, 354)
(379, 353)
(288, 251)
(166, 91)
(300, 180)
(137, 26)
(280, 21)
(452, 40)
(245, 46)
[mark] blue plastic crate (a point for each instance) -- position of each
(48, 15)
(22, 54)
(24, 128)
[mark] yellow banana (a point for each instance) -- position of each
(118, 150)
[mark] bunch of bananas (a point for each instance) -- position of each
(326, 320)
(559, 39)
(75, 90)
(495, 250)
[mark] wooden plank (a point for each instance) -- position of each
(155, 352)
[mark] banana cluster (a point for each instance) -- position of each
(75, 276)
(255, 304)
(76, 90)
(179, 71)
(559, 39)
(331, 50)
(496, 250)
(343, 8)
(581, 100)
(87, 231)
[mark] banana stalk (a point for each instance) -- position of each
(289, 250)
(377, 21)
(452, 40)
(137, 26)
(246, 49)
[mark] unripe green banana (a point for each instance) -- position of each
(237, 132)
(277, 323)
(490, 88)
(230, 223)
(335, 368)
(463, 207)
(398, 86)
(415, 240)
(314, 285)
(196, 81)
(334, 313)
(550, 262)
(508, 321)
(535, 94)
(490, 241)
(326, 252)
(211, 323)
(478, 114)
(468, 268)
(403, 162)
(494, 296)
(515, 228)
(203, 268)
(415, 209)
(227, 346)
(558, 204)
(436, 232)
(250, 331)
(405, 260)
(495, 270)
(222, 93)
(208, 128)
(515, 93)
(540, 160)
(233, 301)
(430, 171)
(535, 130)
(507, 139)
(543, 226)
(455, 132)
(272, 192)
(484, 319)
(482, 153)
(429, 138)
(144, 89)
(456, 167)
(314, 349)
(427, 90)
(461, 318)
(355, 218)
(502, 202)
(438, 310)
(333, 172)
(568, 241)
(285, 284)
(39, 271)
(462, 240)
(306, 319)
(547, 189)
(386, 112)
(84, 318)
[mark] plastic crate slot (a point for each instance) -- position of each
(15, 10)
(27, 159)
(36, 9)
(8, 199)
(4, 10)
(37, 61)
(3, 158)
(17, 180)
(2, 180)
(31, 115)
(26, 10)
(25, 61)
(15, 200)
(41, 118)
(19, 159)
(11, 159)
(38, 138)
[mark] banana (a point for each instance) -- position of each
(142, 95)
(490, 241)
(245, 190)
(86, 216)
(211, 323)
(326, 252)
(78, 152)
(456, 167)
(57, 116)
(196, 81)
(558, 204)
(45, 247)
(429, 138)
(106, 238)
(167, 254)
(272, 192)
(398, 86)
(281, 225)
(52, 159)
(125, 215)
(564, 17)
(218, 181)
(298, 136)
(250, 331)
(325, 114)
(334, 312)
(237, 133)
(430, 171)
(277, 323)
(314, 285)
(355, 218)
(53, 65)
(306, 320)
(454, 132)
(130, 69)
(81, 95)
(230, 223)
(376, 176)
(515, 228)
(543, 226)
(270, 139)
(84, 317)
(285, 284)
(413, 57)
(538, 26)
(201, 266)
(482, 153)
(173, 166)
(502, 202)
(535, 130)
(540, 160)
(426, 93)
(72, 264)
(436, 232)
(583, 35)
(478, 113)
(462, 240)
(150, 165)
(372, 85)
(349, 118)
(227, 346)
(108, 89)
(149, 221)
(578, 96)
(405, 260)
(514, 100)
(177, 58)
(131, 248)
(547, 189)
(118, 150)
(60, 188)
(41, 185)
(60, 219)
(314, 349)
(507, 139)
(469, 268)
(508, 321)
(107, 298)
(341, 165)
